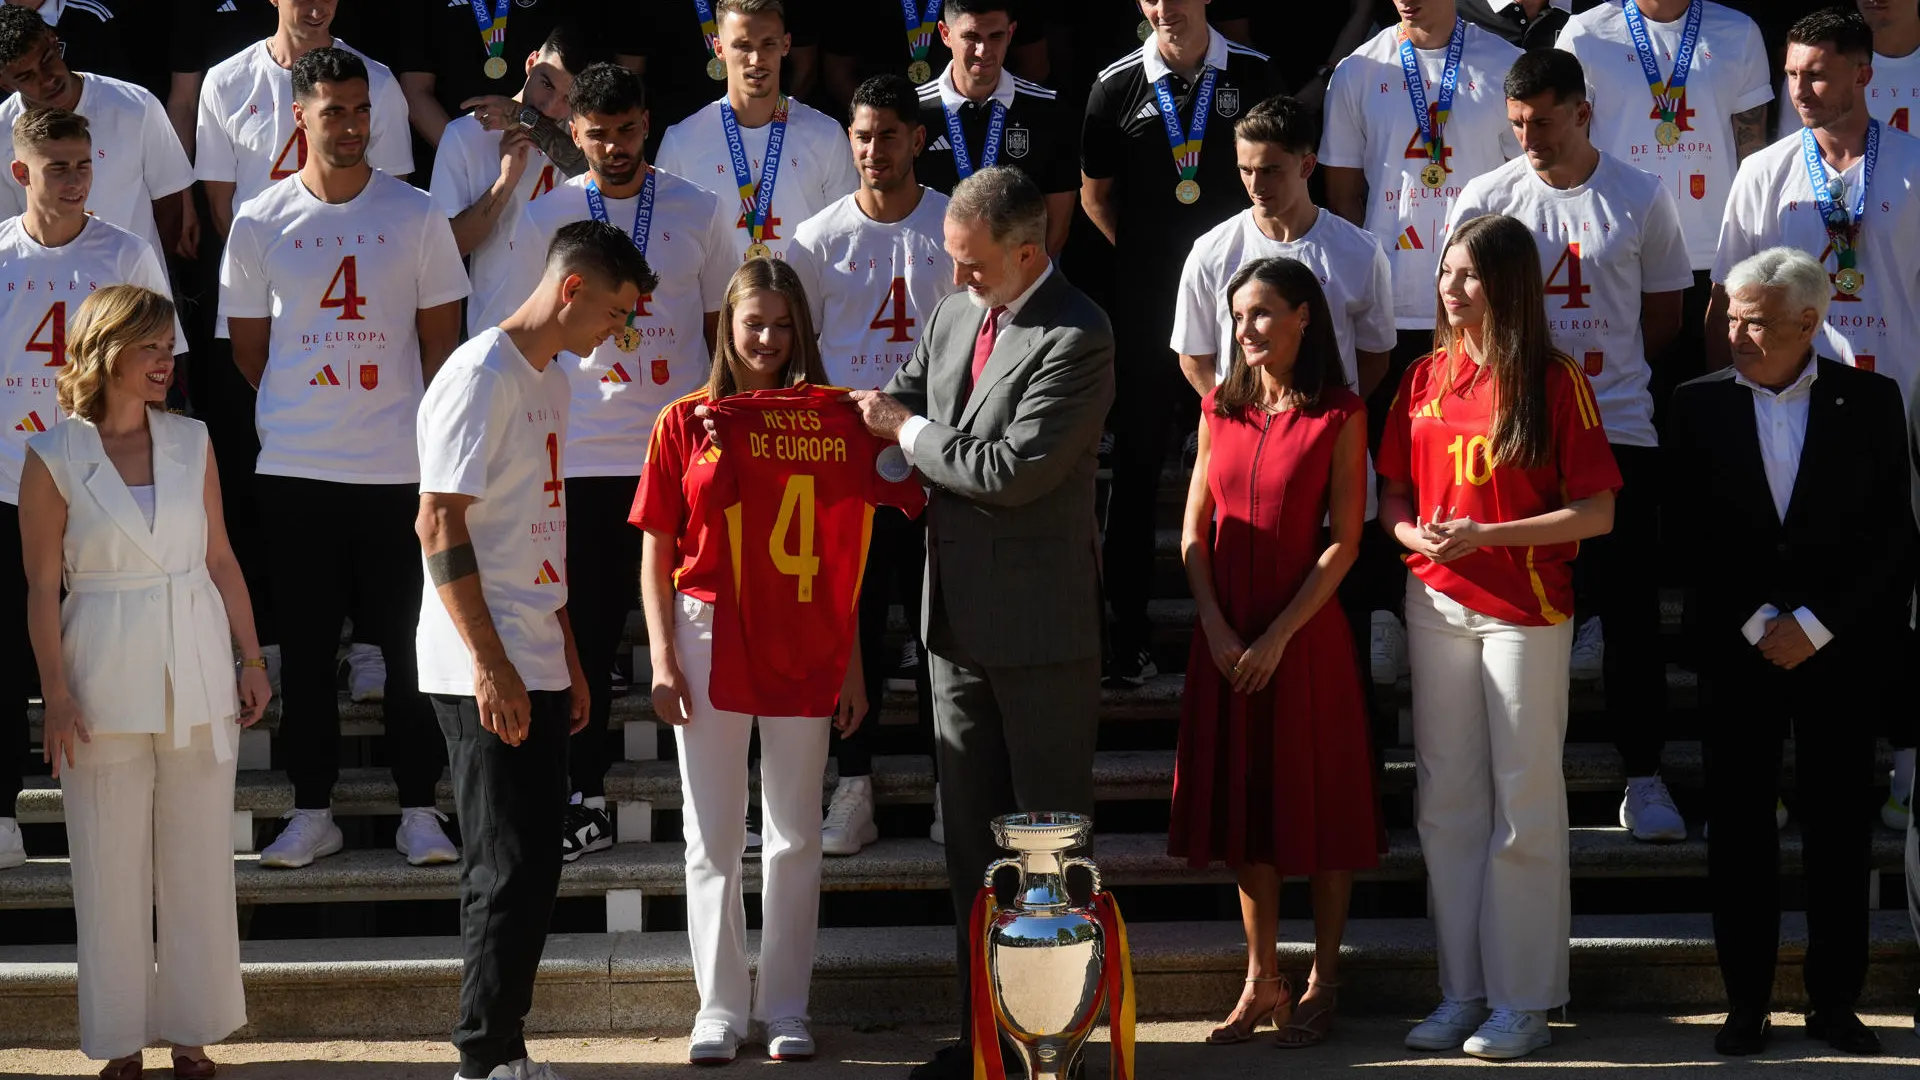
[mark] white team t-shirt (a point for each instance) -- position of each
(494, 428)
(617, 395)
(136, 156)
(41, 289)
(1892, 97)
(1772, 204)
(816, 167)
(1728, 76)
(872, 285)
(465, 166)
(1370, 127)
(245, 135)
(341, 283)
(1602, 244)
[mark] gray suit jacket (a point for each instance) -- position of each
(1011, 538)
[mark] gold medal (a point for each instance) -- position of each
(717, 69)
(1145, 31)
(496, 68)
(1849, 281)
(1666, 133)
(626, 339)
(919, 71)
(1187, 191)
(758, 250)
(1434, 176)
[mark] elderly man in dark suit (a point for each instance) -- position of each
(1789, 504)
(1000, 409)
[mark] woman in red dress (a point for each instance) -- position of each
(1274, 774)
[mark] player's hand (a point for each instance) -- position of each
(514, 148)
(1257, 664)
(1223, 645)
(505, 709)
(255, 692)
(671, 702)
(881, 413)
(1786, 643)
(64, 730)
(1453, 539)
(495, 112)
(852, 707)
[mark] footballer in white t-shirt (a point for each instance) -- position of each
(1721, 114)
(872, 284)
(1893, 95)
(1374, 156)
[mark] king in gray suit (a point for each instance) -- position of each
(1000, 408)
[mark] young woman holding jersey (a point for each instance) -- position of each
(1496, 467)
(767, 341)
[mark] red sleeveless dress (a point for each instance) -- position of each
(1283, 777)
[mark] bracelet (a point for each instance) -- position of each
(258, 661)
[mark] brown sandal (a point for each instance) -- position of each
(122, 1069)
(1312, 1028)
(1231, 1032)
(186, 1068)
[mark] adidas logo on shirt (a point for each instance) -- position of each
(31, 423)
(941, 143)
(1148, 111)
(228, 6)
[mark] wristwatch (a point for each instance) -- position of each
(527, 117)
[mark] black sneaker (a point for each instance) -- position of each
(1129, 668)
(906, 674)
(587, 829)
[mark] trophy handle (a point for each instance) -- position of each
(996, 866)
(1087, 865)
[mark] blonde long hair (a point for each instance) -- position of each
(107, 324)
(803, 363)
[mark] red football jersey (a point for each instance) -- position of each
(673, 493)
(1437, 441)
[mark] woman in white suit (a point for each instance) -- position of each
(120, 501)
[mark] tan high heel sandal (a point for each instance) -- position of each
(1315, 1026)
(1231, 1032)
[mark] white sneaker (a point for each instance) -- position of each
(309, 835)
(849, 826)
(712, 1043)
(1510, 1033)
(366, 673)
(13, 850)
(537, 1070)
(1389, 648)
(1446, 1027)
(1894, 813)
(1648, 811)
(421, 839)
(902, 680)
(510, 1071)
(938, 833)
(789, 1040)
(1589, 652)
(271, 654)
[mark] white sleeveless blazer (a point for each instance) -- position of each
(143, 632)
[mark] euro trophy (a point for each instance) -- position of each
(1048, 964)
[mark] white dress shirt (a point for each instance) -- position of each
(910, 430)
(1780, 420)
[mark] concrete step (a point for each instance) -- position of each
(627, 874)
(643, 982)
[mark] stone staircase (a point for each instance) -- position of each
(361, 944)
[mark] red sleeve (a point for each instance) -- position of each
(1580, 445)
(660, 504)
(1395, 459)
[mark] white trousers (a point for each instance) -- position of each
(149, 827)
(1489, 726)
(713, 778)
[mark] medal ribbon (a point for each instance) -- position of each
(1666, 96)
(990, 153)
(709, 25)
(1186, 151)
(920, 27)
(642, 217)
(493, 25)
(1433, 128)
(1843, 223)
(757, 205)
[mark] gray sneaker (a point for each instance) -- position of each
(1448, 1026)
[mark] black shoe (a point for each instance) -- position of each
(587, 829)
(1842, 1030)
(1745, 1032)
(949, 1063)
(1128, 668)
(752, 850)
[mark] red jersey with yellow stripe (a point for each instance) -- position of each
(1437, 442)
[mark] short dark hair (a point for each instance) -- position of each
(574, 47)
(607, 89)
(45, 125)
(976, 7)
(1542, 71)
(1283, 121)
(1844, 28)
(326, 65)
(893, 92)
(20, 30)
(601, 251)
(750, 8)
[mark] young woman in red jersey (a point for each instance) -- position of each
(766, 342)
(1496, 467)
(1274, 774)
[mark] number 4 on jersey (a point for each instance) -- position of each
(900, 322)
(1573, 290)
(800, 562)
(54, 325)
(293, 156)
(346, 279)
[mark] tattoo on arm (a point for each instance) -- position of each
(1749, 131)
(449, 566)
(555, 141)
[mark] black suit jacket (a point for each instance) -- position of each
(1843, 551)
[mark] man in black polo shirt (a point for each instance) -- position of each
(870, 38)
(1001, 119)
(1152, 201)
(93, 36)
